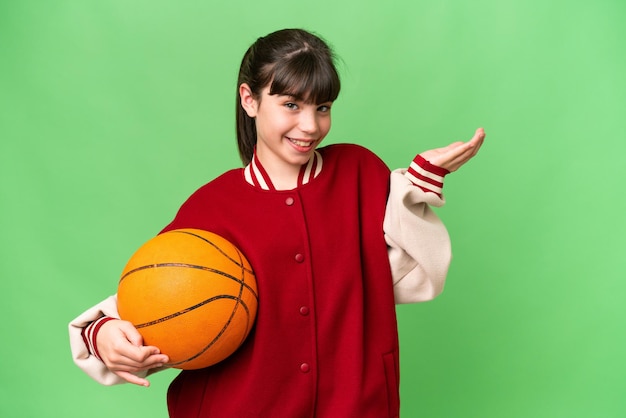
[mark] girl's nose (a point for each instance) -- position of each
(309, 123)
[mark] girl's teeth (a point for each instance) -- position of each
(300, 143)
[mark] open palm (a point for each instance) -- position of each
(453, 156)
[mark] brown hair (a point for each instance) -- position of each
(296, 63)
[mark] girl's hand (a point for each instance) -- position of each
(456, 154)
(121, 348)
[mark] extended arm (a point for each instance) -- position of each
(418, 242)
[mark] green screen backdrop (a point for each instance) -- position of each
(113, 112)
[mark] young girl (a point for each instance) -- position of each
(335, 240)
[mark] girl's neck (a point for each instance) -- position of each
(283, 176)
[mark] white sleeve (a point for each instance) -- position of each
(89, 363)
(418, 242)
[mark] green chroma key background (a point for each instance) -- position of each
(113, 112)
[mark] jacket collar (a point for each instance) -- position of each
(255, 174)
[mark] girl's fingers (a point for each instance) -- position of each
(451, 158)
(144, 363)
(470, 149)
(132, 358)
(131, 378)
(462, 151)
(479, 134)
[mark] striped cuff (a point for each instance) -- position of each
(90, 332)
(426, 176)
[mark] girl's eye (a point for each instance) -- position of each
(291, 106)
(324, 109)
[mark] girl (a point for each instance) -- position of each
(334, 238)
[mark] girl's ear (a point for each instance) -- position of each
(248, 102)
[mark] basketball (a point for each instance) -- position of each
(192, 294)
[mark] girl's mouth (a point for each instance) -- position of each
(301, 143)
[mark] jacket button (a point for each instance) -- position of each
(289, 201)
(299, 258)
(305, 368)
(304, 311)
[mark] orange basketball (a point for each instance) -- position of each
(192, 294)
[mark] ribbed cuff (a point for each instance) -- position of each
(90, 333)
(426, 176)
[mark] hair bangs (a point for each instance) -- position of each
(306, 77)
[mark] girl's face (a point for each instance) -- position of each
(288, 129)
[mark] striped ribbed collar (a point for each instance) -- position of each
(256, 175)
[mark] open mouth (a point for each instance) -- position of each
(301, 143)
